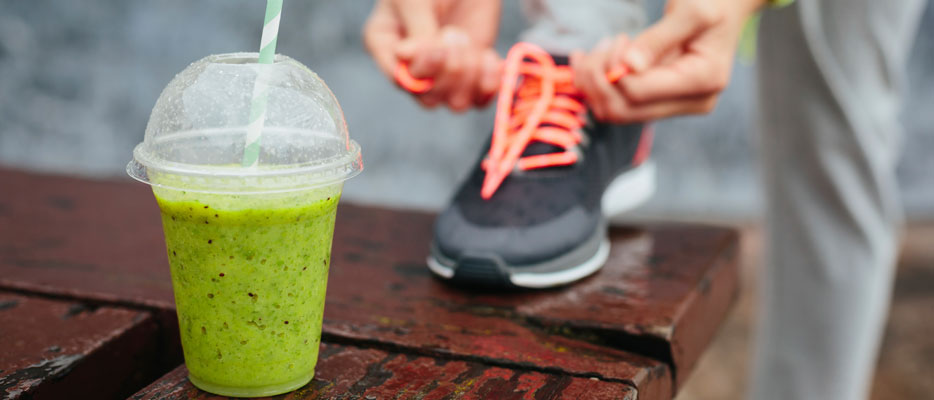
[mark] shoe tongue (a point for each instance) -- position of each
(561, 60)
(536, 148)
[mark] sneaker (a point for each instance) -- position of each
(532, 213)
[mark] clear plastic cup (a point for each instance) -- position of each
(249, 247)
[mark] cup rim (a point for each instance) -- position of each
(145, 164)
(219, 179)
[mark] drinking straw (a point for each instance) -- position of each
(267, 54)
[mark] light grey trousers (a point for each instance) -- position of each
(830, 75)
(830, 79)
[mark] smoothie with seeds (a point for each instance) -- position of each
(249, 274)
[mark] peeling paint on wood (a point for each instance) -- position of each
(662, 294)
(644, 319)
(348, 372)
(95, 354)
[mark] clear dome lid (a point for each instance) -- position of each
(199, 128)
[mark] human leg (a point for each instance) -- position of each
(829, 74)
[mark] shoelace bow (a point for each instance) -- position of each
(537, 102)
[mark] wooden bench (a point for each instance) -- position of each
(634, 330)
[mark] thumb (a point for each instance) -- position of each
(419, 24)
(673, 30)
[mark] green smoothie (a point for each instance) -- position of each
(249, 273)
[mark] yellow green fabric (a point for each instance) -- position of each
(746, 48)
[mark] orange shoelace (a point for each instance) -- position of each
(537, 102)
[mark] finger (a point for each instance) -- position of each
(588, 86)
(428, 101)
(452, 71)
(439, 54)
(408, 48)
(445, 79)
(613, 102)
(687, 76)
(428, 62)
(451, 75)
(464, 82)
(582, 80)
(461, 94)
(595, 78)
(615, 65)
(489, 80)
(618, 50)
(380, 49)
(381, 34)
(670, 56)
(673, 30)
(576, 61)
(664, 109)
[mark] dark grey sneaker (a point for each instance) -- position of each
(545, 226)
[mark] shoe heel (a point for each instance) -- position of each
(480, 271)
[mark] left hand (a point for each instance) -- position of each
(448, 41)
(678, 66)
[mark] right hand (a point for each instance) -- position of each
(448, 41)
(679, 65)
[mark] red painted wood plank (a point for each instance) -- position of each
(80, 238)
(666, 288)
(663, 293)
(360, 302)
(352, 372)
(54, 349)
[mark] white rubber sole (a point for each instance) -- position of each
(546, 280)
(542, 280)
(439, 269)
(624, 193)
(629, 190)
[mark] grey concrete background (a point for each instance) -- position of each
(78, 78)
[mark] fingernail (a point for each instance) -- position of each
(453, 36)
(637, 59)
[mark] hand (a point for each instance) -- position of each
(448, 41)
(678, 66)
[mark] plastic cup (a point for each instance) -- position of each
(249, 248)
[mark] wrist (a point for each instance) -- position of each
(751, 7)
(754, 6)
(737, 13)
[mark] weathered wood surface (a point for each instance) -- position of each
(87, 239)
(348, 372)
(644, 319)
(663, 293)
(55, 350)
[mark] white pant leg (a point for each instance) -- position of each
(561, 26)
(829, 75)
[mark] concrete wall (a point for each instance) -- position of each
(78, 78)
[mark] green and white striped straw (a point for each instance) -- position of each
(267, 54)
